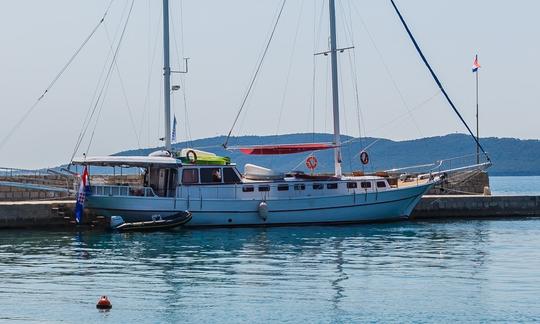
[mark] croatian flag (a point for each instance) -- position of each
(81, 195)
(475, 65)
(173, 135)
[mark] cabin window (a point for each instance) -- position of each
(318, 186)
(331, 186)
(283, 187)
(248, 189)
(229, 176)
(211, 175)
(381, 184)
(264, 188)
(300, 186)
(352, 185)
(365, 184)
(190, 176)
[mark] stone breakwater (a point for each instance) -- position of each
(465, 206)
(462, 183)
(41, 214)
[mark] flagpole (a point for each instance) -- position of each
(477, 129)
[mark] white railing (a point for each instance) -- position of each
(122, 191)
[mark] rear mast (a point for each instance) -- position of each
(335, 89)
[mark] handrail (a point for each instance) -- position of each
(478, 166)
(123, 191)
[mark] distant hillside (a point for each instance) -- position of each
(509, 156)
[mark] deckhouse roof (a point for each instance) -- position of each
(128, 161)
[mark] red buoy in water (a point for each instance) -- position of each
(104, 303)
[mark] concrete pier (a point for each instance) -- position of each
(42, 214)
(476, 206)
(60, 213)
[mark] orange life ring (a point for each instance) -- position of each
(364, 157)
(311, 162)
(191, 156)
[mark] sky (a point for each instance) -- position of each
(385, 89)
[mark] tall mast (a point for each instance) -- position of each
(477, 129)
(335, 89)
(166, 76)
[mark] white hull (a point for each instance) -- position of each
(341, 208)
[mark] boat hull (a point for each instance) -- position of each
(349, 208)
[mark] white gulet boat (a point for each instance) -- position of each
(217, 194)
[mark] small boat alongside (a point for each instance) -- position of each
(156, 222)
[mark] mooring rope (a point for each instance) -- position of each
(437, 81)
(254, 78)
(55, 79)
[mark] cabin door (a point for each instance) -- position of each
(164, 181)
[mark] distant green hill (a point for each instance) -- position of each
(509, 156)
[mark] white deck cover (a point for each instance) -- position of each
(255, 172)
(128, 161)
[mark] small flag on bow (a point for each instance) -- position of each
(475, 65)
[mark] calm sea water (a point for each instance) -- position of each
(515, 185)
(461, 271)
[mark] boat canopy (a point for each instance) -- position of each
(284, 148)
(129, 161)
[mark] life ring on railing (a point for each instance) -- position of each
(191, 156)
(364, 157)
(311, 162)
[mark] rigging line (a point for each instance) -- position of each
(177, 52)
(183, 80)
(354, 66)
(344, 110)
(104, 85)
(95, 97)
(327, 94)
(90, 112)
(55, 79)
(182, 77)
(283, 98)
(302, 161)
(100, 109)
(124, 92)
(160, 111)
(359, 115)
(151, 59)
(365, 148)
(316, 39)
(439, 84)
(390, 122)
(256, 73)
(186, 114)
(387, 70)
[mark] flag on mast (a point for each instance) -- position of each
(475, 65)
(81, 195)
(173, 135)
